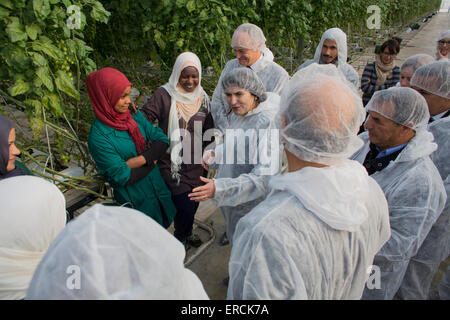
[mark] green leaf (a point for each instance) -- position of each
(7, 4)
(45, 45)
(37, 83)
(15, 30)
(64, 83)
(15, 57)
(41, 8)
(20, 3)
(33, 30)
(19, 87)
(82, 50)
(55, 104)
(38, 59)
(99, 13)
(89, 65)
(179, 43)
(35, 105)
(4, 12)
(44, 75)
(36, 125)
(190, 6)
(160, 42)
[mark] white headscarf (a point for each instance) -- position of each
(33, 212)
(115, 253)
(184, 60)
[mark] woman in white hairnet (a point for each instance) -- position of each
(250, 148)
(315, 234)
(115, 253)
(433, 80)
(335, 52)
(410, 65)
(411, 183)
(32, 213)
(249, 45)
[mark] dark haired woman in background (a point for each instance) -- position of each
(382, 73)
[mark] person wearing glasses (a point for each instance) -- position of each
(382, 73)
(443, 45)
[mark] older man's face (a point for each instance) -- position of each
(246, 57)
(383, 132)
(241, 43)
(329, 51)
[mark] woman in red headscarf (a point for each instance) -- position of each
(126, 147)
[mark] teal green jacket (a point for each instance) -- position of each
(111, 148)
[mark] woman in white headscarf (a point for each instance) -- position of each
(26, 229)
(181, 108)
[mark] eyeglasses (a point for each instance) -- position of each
(389, 54)
(443, 42)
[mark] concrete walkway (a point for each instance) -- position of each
(211, 266)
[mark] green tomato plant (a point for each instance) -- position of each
(43, 58)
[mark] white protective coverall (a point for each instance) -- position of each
(433, 78)
(416, 196)
(314, 237)
(258, 157)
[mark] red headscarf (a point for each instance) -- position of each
(105, 87)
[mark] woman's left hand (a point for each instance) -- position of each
(204, 192)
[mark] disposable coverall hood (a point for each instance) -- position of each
(340, 37)
(334, 197)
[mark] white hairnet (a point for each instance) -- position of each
(33, 212)
(254, 41)
(402, 105)
(434, 78)
(416, 61)
(444, 35)
(322, 114)
(114, 253)
(245, 78)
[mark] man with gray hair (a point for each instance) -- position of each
(332, 49)
(320, 225)
(249, 47)
(396, 154)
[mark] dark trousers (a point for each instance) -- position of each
(184, 219)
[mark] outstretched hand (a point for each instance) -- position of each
(204, 192)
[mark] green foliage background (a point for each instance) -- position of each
(164, 28)
(43, 63)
